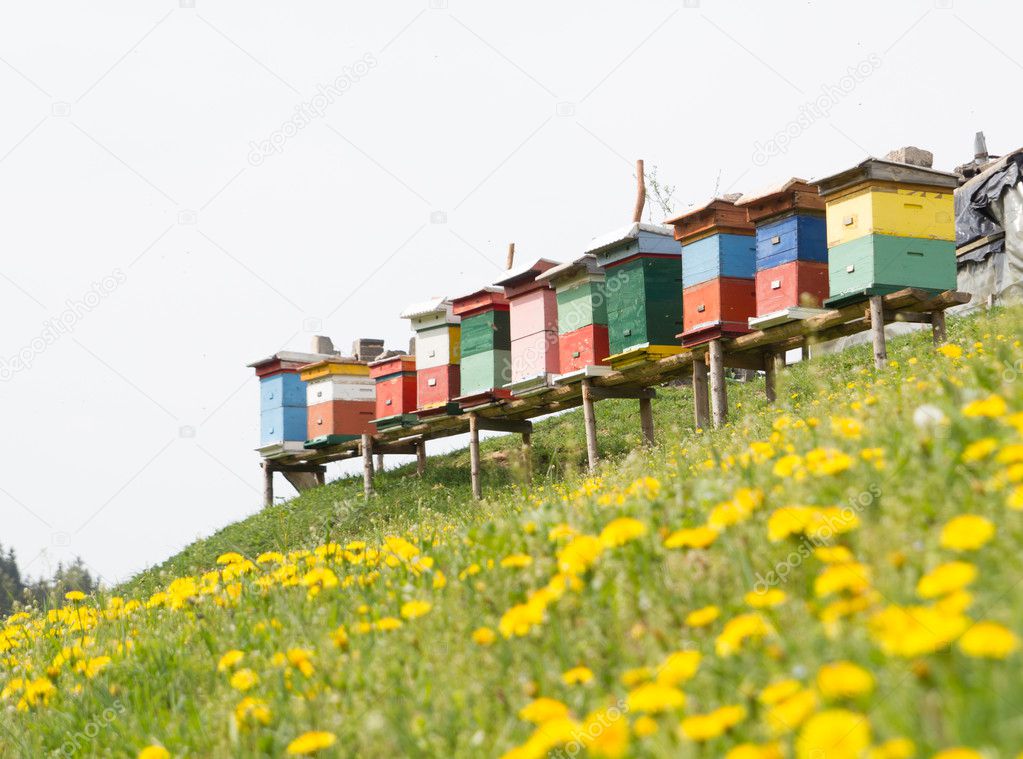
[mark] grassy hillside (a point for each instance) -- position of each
(836, 576)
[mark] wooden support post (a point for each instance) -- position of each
(646, 421)
(474, 456)
(321, 477)
(380, 462)
(590, 423)
(527, 455)
(938, 327)
(877, 331)
(806, 351)
(367, 465)
(421, 458)
(268, 484)
(718, 391)
(770, 377)
(701, 399)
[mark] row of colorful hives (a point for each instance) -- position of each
(635, 295)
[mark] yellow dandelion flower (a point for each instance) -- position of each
(579, 554)
(652, 698)
(988, 640)
(605, 734)
(244, 679)
(950, 350)
(229, 659)
(74, 595)
(679, 667)
(779, 691)
(755, 751)
(414, 609)
(946, 578)
(994, 406)
(644, 726)
(252, 710)
(835, 734)
(483, 636)
(979, 450)
(833, 554)
(702, 617)
(966, 532)
(154, 752)
(620, 531)
(843, 679)
(516, 561)
(311, 742)
(693, 537)
(577, 676)
(737, 630)
(894, 748)
(767, 598)
(543, 710)
(958, 752)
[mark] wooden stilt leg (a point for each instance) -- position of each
(877, 331)
(421, 458)
(268, 484)
(718, 392)
(380, 462)
(770, 376)
(806, 351)
(321, 476)
(701, 399)
(527, 455)
(367, 465)
(646, 421)
(938, 327)
(474, 456)
(590, 422)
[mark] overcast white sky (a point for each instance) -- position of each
(129, 189)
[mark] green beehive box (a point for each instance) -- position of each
(484, 371)
(484, 332)
(881, 264)
(644, 302)
(580, 306)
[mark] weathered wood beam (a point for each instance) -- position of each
(421, 458)
(646, 421)
(639, 394)
(590, 423)
(718, 390)
(474, 456)
(877, 331)
(268, 484)
(938, 331)
(367, 466)
(701, 397)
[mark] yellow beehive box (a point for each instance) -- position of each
(334, 367)
(887, 209)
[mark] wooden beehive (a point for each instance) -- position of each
(395, 378)
(791, 250)
(340, 400)
(718, 270)
(533, 326)
(582, 314)
(643, 289)
(485, 366)
(438, 353)
(282, 402)
(889, 226)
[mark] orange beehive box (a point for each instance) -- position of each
(717, 308)
(436, 388)
(586, 346)
(342, 418)
(395, 378)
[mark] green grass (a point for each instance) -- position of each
(428, 688)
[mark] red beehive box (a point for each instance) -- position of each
(395, 385)
(718, 306)
(586, 346)
(797, 283)
(436, 386)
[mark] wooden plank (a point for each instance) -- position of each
(421, 458)
(701, 400)
(877, 331)
(499, 425)
(367, 466)
(938, 331)
(646, 421)
(718, 391)
(268, 485)
(474, 456)
(590, 423)
(770, 375)
(639, 393)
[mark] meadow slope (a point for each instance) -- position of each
(834, 576)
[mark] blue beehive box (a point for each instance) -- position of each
(799, 237)
(283, 419)
(719, 255)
